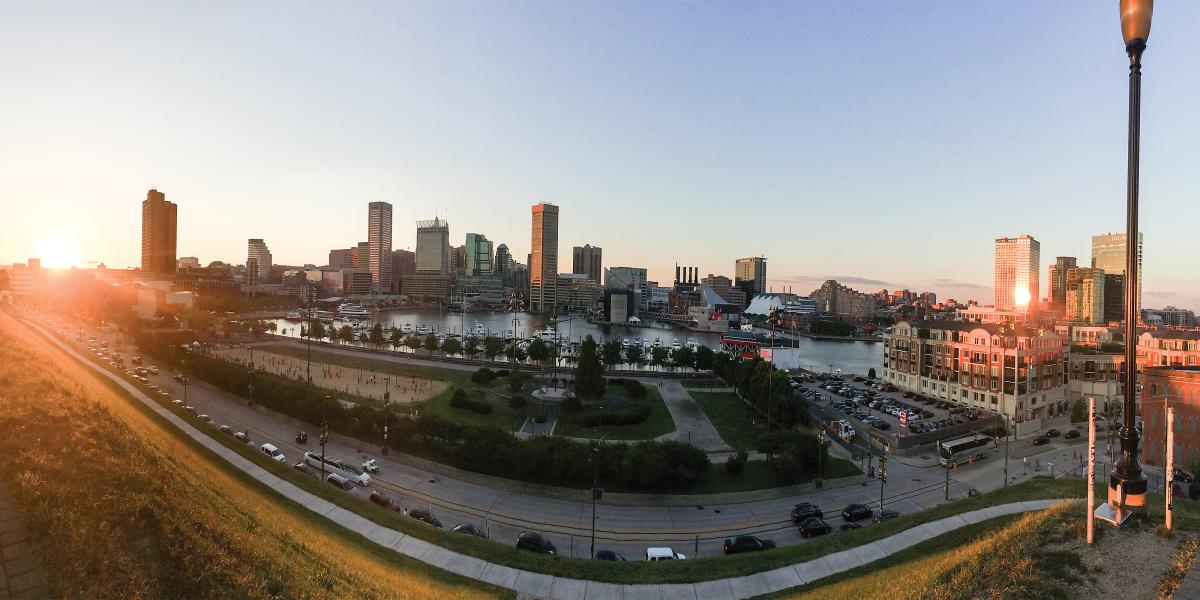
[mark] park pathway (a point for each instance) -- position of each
(692, 426)
(21, 574)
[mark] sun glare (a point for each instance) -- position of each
(58, 252)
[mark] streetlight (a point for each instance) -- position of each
(1127, 485)
(595, 492)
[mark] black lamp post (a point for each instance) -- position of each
(1127, 485)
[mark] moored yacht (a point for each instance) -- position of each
(406, 329)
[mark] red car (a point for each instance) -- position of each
(384, 500)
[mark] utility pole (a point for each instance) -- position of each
(1007, 436)
(324, 437)
(595, 493)
(882, 480)
(387, 404)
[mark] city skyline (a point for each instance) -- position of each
(1045, 164)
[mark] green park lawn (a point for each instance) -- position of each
(658, 423)
(737, 423)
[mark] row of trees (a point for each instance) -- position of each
(766, 388)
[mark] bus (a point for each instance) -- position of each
(341, 467)
(963, 450)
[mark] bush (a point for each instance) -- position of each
(736, 464)
(629, 415)
(483, 376)
(791, 454)
(460, 400)
(633, 388)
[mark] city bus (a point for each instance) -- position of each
(341, 467)
(963, 450)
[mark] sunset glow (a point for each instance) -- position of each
(59, 252)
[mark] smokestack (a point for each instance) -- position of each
(676, 272)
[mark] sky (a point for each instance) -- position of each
(883, 144)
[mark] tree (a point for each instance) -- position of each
(452, 346)
(683, 357)
(633, 355)
(431, 343)
(515, 350)
(871, 373)
(345, 334)
(492, 347)
(736, 463)
(471, 346)
(377, 338)
(611, 353)
(704, 358)
(539, 350)
(257, 328)
(412, 342)
(659, 356)
(1079, 411)
(589, 372)
(316, 329)
(396, 339)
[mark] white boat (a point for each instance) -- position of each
(480, 330)
(508, 335)
(546, 335)
(407, 329)
(624, 342)
(293, 316)
(646, 344)
(692, 343)
(657, 342)
(324, 316)
(354, 312)
(675, 343)
(423, 329)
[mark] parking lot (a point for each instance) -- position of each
(880, 405)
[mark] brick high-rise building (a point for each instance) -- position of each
(159, 222)
(1016, 275)
(586, 260)
(1058, 281)
(543, 265)
(1085, 295)
(379, 246)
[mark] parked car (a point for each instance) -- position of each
(384, 500)
(534, 542)
(855, 512)
(225, 429)
(370, 465)
(1053, 433)
(805, 510)
(242, 437)
(884, 515)
(814, 526)
(657, 554)
(609, 555)
(340, 482)
(274, 452)
(1071, 434)
(469, 529)
(1041, 440)
(747, 543)
(424, 515)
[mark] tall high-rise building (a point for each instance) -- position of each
(159, 221)
(1108, 253)
(379, 246)
(629, 278)
(361, 256)
(1058, 282)
(1085, 295)
(752, 270)
(543, 266)
(341, 258)
(404, 263)
(458, 259)
(1016, 275)
(586, 260)
(1114, 298)
(478, 255)
(433, 246)
(257, 251)
(504, 260)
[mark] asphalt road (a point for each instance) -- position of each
(693, 530)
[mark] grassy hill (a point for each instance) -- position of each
(118, 506)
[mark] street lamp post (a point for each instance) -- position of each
(595, 487)
(1127, 485)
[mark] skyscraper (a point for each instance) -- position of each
(1058, 281)
(504, 260)
(1016, 274)
(379, 246)
(1085, 295)
(433, 246)
(1108, 253)
(158, 234)
(543, 267)
(752, 270)
(257, 251)
(360, 256)
(478, 255)
(585, 260)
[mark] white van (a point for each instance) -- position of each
(656, 554)
(273, 452)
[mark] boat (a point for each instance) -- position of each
(294, 316)
(657, 342)
(406, 329)
(624, 342)
(508, 335)
(354, 312)
(675, 343)
(324, 316)
(546, 335)
(423, 329)
(692, 343)
(480, 330)
(646, 344)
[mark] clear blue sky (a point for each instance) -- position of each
(881, 143)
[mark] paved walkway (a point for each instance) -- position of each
(691, 424)
(21, 574)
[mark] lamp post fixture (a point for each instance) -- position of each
(1127, 485)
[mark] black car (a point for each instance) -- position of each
(855, 512)
(849, 527)
(805, 510)
(1072, 434)
(1053, 433)
(424, 515)
(1041, 440)
(747, 543)
(884, 515)
(469, 529)
(609, 555)
(814, 526)
(534, 542)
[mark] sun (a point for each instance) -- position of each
(59, 252)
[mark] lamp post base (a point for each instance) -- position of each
(1128, 495)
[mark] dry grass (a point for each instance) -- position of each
(119, 507)
(1181, 563)
(1002, 564)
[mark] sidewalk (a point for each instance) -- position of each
(21, 574)
(537, 585)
